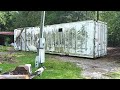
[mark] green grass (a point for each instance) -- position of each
(3, 48)
(113, 75)
(55, 69)
(60, 70)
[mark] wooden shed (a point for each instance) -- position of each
(5, 36)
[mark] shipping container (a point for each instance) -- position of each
(82, 39)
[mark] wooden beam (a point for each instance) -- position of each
(19, 34)
(14, 77)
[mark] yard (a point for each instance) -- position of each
(65, 67)
(91, 31)
(55, 69)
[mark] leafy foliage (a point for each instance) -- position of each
(9, 20)
(113, 21)
(6, 19)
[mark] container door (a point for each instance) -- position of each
(97, 40)
(103, 40)
(100, 39)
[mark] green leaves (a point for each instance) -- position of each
(6, 18)
(13, 19)
(10, 20)
(2, 18)
(113, 21)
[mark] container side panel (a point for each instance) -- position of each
(75, 39)
(17, 41)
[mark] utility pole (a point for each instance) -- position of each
(42, 23)
(97, 15)
(40, 59)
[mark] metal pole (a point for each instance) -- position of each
(97, 15)
(40, 59)
(41, 30)
(42, 23)
(42, 40)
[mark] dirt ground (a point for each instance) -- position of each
(7, 56)
(96, 69)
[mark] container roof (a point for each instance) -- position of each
(6, 33)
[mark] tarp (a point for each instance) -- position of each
(6, 33)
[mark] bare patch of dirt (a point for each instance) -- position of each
(8, 56)
(96, 69)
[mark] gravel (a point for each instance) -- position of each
(96, 69)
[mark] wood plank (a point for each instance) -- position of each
(14, 77)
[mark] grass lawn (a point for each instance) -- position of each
(113, 75)
(55, 69)
(3, 48)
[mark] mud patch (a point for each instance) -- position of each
(7, 58)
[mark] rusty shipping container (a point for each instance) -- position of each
(82, 39)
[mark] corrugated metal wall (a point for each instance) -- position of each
(83, 39)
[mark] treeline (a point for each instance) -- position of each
(9, 20)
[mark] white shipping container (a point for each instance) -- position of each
(82, 39)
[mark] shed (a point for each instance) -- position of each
(4, 36)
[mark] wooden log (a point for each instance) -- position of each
(14, 77)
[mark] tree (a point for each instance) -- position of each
(27, 19)
(6, 18)
(113, 21)
(10, 20)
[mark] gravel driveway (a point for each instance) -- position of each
(96, 69)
